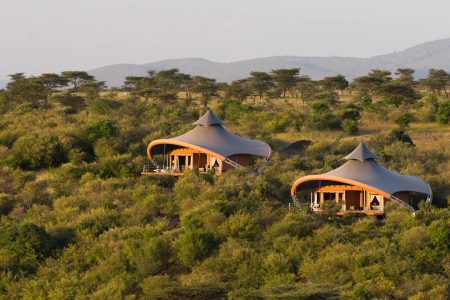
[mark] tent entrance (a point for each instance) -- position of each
(180, 160)
(353, 200)
(185, 159)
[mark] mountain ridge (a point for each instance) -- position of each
(3, 83)
(421, 57)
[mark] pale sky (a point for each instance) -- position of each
(39, 36)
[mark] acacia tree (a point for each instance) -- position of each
(285, 79)
(51, 82)
(306, 89)
(206, 87)
(185, 81)
(436, 82)
(167, 84)
(144, 86)
(133, 83)
(21, 89)
(443, 112)
(92, 88)
(239, 90)
(77, 78)
(334, 83)
(405, 75)
(397, 92)
(369, 85)
(261, 83)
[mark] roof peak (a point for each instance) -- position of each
(361, 153)
(208, 119)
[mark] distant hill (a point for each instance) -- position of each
(435, 54)
(3, 83)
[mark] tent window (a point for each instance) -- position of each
(214, 162)
(329, 196)
(374, 201)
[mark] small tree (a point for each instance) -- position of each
(285, 79)
(239, 90)
(76, 78)
(36, 152)
(405, 75)
(399, 134)
(334, 83)
(306, 89)
(261, 83)
(51, 83)
(21, 89)
(396, 92)
(206, 87)
(350, 127)
(436, 82)
(404, 119)
(443, 112)
(92, 88)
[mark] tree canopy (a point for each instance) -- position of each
(79, 221)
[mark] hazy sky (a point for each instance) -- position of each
(52, 35)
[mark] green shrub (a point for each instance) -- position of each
(100, 129)
(350, 127)
(38, 151)
(404, 119)
(443, 112)
(22, 247)
(196, 245)
(399, 134)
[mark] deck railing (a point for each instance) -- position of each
(154, 169)
(151, 169)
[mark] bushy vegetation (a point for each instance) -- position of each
(78, 221)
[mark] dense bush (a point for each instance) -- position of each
(22, 247)
(78, 221)
(443, 112)
(36, 152)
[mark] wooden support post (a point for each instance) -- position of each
(361, 199)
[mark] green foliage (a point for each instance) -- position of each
(100, 129)
(36, 152)
(399, 134)
(443, 112)
(285, 79)
(350, 126)
(78, 221)
(404, 119)
(22, 247)
(439, 234)
(74, 103)
(366, 102)
(196, 245)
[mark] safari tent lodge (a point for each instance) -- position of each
(361, 185)
(209, 146)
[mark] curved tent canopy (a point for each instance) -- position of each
(210, 137)
(362, 170)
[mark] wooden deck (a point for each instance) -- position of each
(366, 212)
(172, 173)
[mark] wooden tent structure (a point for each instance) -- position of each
(361, 185)
(208, 146)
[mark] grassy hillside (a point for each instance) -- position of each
(78, 221)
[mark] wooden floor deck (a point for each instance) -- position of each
(366, 212)
(168, 173)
